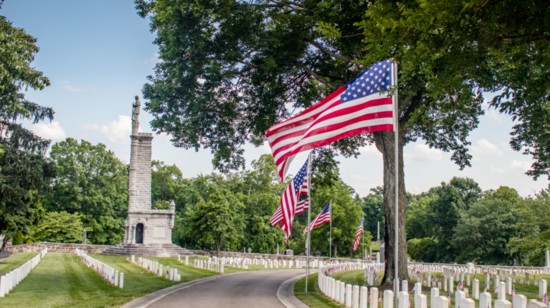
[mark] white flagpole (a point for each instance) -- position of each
(308, 243)
(363, 235)
(396, 149)
(330, 232)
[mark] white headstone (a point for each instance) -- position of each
(441, 302)
(355, 297)
(542, 288)
(404, 299)
(467, 303)
(459, 295)
(502, 303)
(421, 301)
(347, 302)
(502, 290)
(373, 297)
(363, 297)
(475, 289)
(485, 300)
(519, 301)
(388, 299)
(433, 294)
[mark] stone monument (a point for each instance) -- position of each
(147, 231)
(144, 225)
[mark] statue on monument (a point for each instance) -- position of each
(135, 110)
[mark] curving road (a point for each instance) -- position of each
(245, 289)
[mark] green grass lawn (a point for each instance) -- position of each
(62, 280)
(14, 261)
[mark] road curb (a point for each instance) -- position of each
(285, 293)
(150, 298)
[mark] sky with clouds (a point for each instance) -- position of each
(98, 54)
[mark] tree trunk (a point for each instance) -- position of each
(385, 142)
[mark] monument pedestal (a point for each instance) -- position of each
(148, 232)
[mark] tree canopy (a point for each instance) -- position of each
(24, 170)
(231, 69)
(92, 181)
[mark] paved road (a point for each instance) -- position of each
(246, 289)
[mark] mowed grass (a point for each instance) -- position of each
(313, 297)
(14, 261)
(62, 280)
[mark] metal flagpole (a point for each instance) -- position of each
(330, 232)
(308, 242)
(363, 235)
(396, 149)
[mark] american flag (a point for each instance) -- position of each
(360, 106)
(323, 217)
(289, 200)
(545, 298)
(358, 235)
(302, 205)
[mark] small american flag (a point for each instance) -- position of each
(323, 217)
(358, 235)
(545, 298)
(302, 205)
(289, 200)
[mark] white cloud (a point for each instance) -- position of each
(52, 131)
(66, 85)
(485, 147)
(494, 115)
(117, 131)
(522, 165)
(422, 152)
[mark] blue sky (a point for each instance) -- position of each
(97, 55)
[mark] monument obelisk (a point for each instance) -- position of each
(144, 225)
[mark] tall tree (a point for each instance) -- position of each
(533, 237)
(373, 207)
(261, 191)
(166, 183)
(216, 223)
(24, 169)
(92, 181)
(230, 69)
(485, 229)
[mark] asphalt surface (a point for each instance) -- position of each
(266, 288)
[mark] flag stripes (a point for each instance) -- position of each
(358, 235)
(324, 216)
(356, 108)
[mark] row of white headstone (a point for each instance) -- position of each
(108, 272)
(156, 268)
(209, 265)
(9, 280)
(359, 297)
(218, 264)
(462, 276)
(462, 272)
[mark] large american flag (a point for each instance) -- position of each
(360, 106)
(323, 217)
(358, 235)
(302, 205)
(289, 200)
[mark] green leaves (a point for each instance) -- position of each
(91, 181)
(58, 227)
(23, 168)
